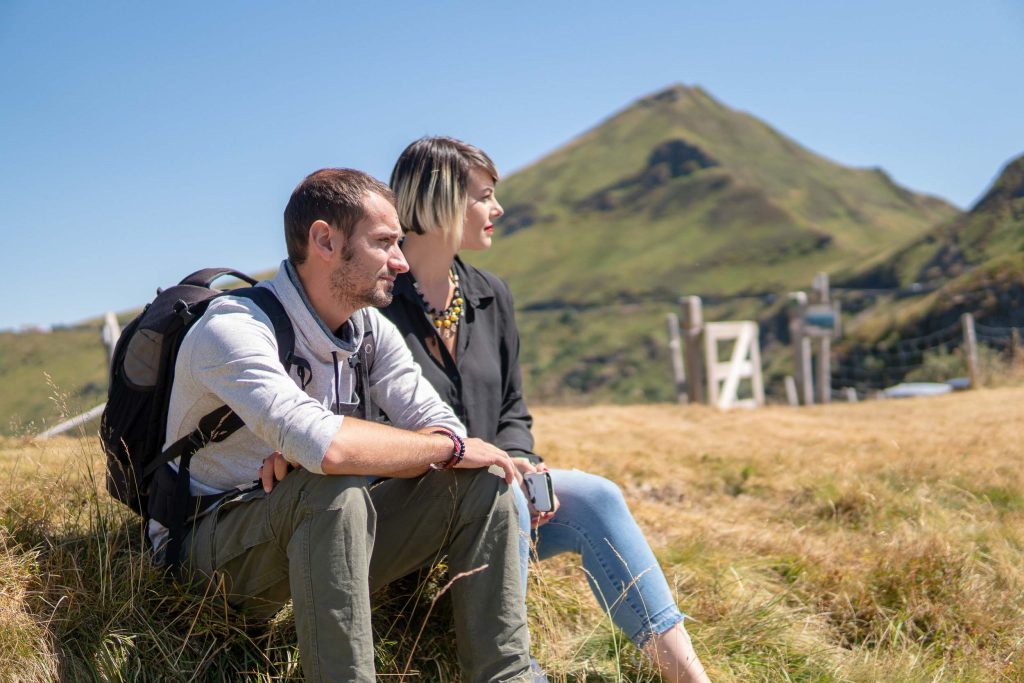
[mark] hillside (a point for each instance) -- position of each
(993, 228)
(974, 264)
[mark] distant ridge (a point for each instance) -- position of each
(994, 227)
(974, 262)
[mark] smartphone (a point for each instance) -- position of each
(539, 491)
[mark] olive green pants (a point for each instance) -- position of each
(327, 542)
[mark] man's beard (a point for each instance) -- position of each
(350, 293)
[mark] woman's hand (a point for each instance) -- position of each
(537, 519)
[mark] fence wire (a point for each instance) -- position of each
(922, 358)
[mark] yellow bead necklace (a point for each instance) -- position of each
(446, 322)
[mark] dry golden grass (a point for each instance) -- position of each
(865, 542)
(885, 538)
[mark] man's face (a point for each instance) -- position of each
(370, 259)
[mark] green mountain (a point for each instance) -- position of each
(679, 193)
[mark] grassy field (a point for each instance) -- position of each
(879, 541)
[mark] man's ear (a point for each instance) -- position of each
(320, 243)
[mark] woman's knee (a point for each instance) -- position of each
(591, 495)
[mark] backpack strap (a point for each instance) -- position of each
(279, 320)
(364, 363)
(216, 425)
(206, 276)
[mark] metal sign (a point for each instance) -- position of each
(822, 320)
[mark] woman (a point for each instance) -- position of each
(459, 323)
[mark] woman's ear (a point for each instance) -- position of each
(320, 240)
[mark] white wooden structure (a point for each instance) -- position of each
(744, 363)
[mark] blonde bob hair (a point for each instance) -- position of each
(430, 180)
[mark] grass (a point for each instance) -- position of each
(879, 541)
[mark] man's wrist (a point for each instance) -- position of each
(456, 453)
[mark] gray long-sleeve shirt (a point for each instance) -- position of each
(230, 356)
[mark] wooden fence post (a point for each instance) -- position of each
(693, 332)
(821, 290)
(1014, 347)
(971, 349)
(801, 348)
(675, 350)
(111, 333)
(791, 396)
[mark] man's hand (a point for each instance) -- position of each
(479, 453)
(274, 469)
(523, 465)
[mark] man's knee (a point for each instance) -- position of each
(317, 492)
(485, 494)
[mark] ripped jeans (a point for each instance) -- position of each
(594, 521)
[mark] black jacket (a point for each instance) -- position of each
(482, 385)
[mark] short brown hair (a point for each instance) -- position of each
(430, 180)
(334, 195)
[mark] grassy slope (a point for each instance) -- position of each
(47, 375)
(879, 541)
(977, 260)
(994, 227)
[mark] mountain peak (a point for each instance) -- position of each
(674, 93)
(1007, 187)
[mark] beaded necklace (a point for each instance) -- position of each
(446, 322)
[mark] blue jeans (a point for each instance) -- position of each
(594, 521)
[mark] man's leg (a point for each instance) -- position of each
(471, 516)
(309, 539)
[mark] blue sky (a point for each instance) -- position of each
(140, 141)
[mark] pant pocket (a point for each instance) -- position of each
(237, 526)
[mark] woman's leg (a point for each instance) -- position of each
(673, 654)
(522, 508)
(594, 521)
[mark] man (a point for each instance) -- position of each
(329, 533)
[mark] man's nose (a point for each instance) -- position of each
(396, 260)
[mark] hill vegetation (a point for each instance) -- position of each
(972, 264)
(878, 541)
(993, 228)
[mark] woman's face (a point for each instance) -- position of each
(482, 208)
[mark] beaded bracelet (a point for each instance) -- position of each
(458, 450)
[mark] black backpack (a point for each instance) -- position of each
(134, 423)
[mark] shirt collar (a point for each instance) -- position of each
(474, 285)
